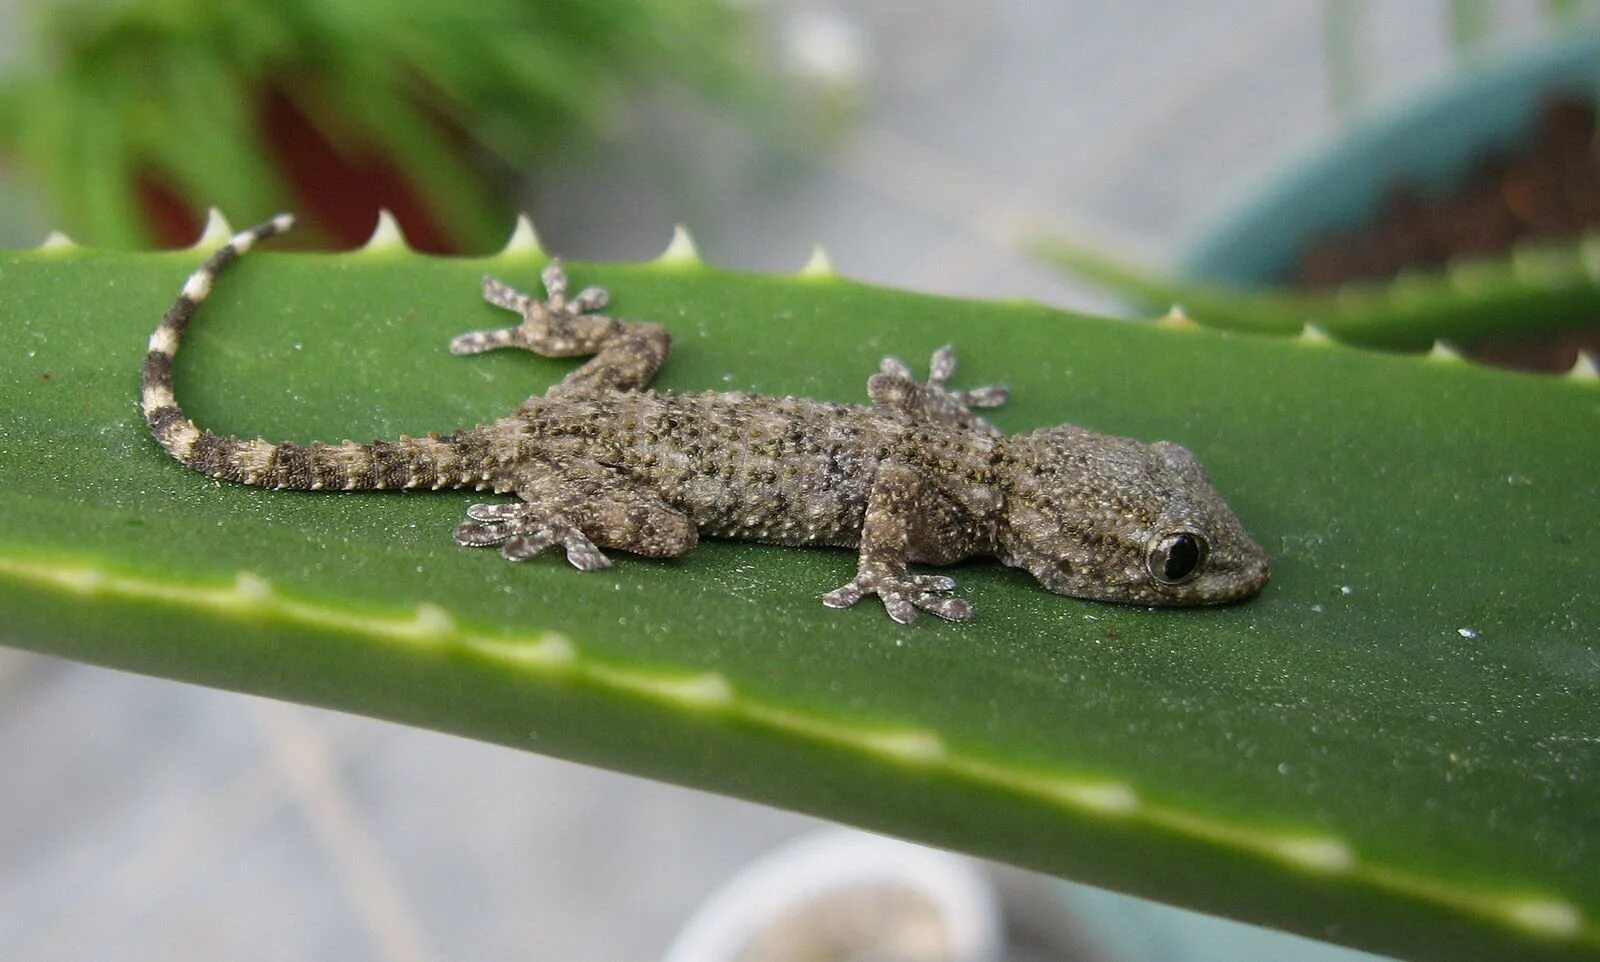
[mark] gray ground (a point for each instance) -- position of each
(145, 820)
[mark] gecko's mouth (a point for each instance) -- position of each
(1235, 579)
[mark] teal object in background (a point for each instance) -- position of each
(1123, 928)
(1432, 141)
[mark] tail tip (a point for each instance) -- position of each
(283, 222)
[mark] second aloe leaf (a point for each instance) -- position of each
(1536, 289)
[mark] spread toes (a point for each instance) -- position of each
(902, 595)
(523, 531)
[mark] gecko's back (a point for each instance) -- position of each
(784, 470)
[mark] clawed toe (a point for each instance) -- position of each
(988, 396)
(496, 512)
(844, 596)
(554, 278)
(895, 367)
(538, 316)
(525, 546)
(902, 594)
(523, 531)
(478, 534)
(477, 342)
(935, 394)
(589, 299)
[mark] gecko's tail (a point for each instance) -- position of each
(194, 447)
(432, 462)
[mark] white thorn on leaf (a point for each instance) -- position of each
(1442, 351)
(1318, 854)
(251, 588)
(524, 239)
(1176, 317)
(680, 250)
(1112, 798)
(706, 691)
(911, 746)
(1313, 333)
(215, 233)
(1589, 255)
(818, 265)
(1551, 917)
(1584, 368)
(386, 236)
(58, 241)
(433, 620)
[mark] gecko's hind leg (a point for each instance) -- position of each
(584, 508)
(627, 354)
(894, 388)
(524, 530)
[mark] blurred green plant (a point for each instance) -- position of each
(128, 112)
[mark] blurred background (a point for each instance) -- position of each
(921, 142)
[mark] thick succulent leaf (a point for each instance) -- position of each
(1536, 289)
(1396, 746)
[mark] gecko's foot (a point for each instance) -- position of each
(541, 319)
(940, 367)
(524, 530)
(556, 301)
(902, 594)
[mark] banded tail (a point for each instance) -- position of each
(431, 462)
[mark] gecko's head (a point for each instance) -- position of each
(1114, 519)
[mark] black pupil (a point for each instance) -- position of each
(1183, 556)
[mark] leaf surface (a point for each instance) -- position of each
(1397, 745)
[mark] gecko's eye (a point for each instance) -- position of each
(1176, 557)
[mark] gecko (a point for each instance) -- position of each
(600, 461)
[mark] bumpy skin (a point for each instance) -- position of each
(600, 462)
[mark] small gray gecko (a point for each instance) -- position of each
(598, 461)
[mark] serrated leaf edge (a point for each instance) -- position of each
(1584, 368)
(214, 234)
(680, 250)
(57, 242)
(524, 239)
(1444, 353)
(1176, 319)
(386, 238)
(818, 266)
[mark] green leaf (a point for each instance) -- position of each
(1538, 287)
(1397, 745)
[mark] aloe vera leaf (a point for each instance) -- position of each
(1396, 746)
(1535, 289)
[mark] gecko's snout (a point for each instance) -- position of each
(1237, 572)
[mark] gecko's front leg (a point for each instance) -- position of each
(900, 501)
